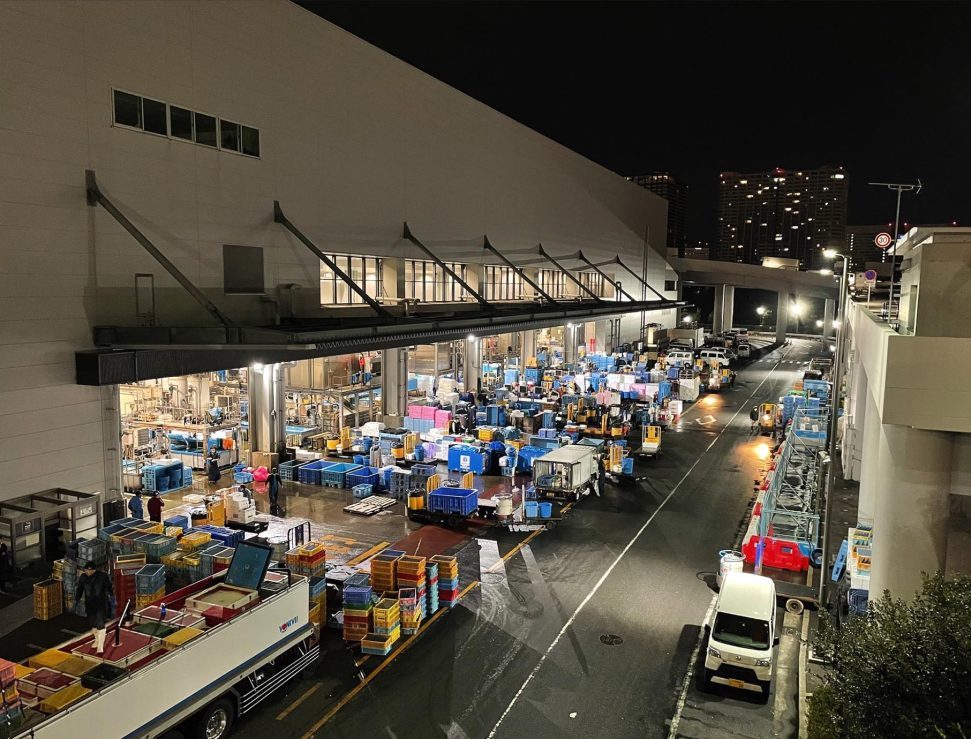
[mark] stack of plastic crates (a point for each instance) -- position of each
(448, 579)
(384, 570)
(149, 585)
(318, 600)
(288, 470)
(65, 571)
(180, 521)
(123, 571)
(157, 546)
(358, 610)
(309, 559)
(399, 483)
(226, 536)
(48, 599)
(410, 610)
(93, 550)
(174, 567)
(431, 584)
(194, 540)
(420, 474)
(387, 628)
(11, 709)
(411, 574)
(215, 558)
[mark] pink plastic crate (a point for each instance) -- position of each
(442, 418)
(415, 411)
(428, 412)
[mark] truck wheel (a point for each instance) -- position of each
(709, 674)
(214, 721)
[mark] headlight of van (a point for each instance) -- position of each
(712, 652)
(763, 662)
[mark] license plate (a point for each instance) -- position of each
(737, 683)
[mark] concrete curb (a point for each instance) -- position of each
(803, 677)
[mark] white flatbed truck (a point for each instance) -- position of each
(202, 686)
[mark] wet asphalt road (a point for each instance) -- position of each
(523, 654)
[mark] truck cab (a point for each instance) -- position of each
(742, 636)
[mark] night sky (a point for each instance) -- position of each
(882, 88)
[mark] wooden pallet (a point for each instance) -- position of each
(370, 506)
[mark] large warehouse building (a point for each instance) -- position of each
(144, 145)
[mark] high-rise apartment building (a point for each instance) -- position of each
(676, 193)
(783, 213)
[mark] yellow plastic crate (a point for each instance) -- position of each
(145, 600)
(173, 559)
(195, 540)
(386, 607)
(125, 560)
(486, 433)
(313, 615)
(174, 531)
(48, 658)
(63, 698)
(412, 565)
(20, 671)
(77, 666)
(177, 638)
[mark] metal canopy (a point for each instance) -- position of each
(96, 197)
(579, 255)
(331, 264)
(487, 245)
(549, 257)
(407, 234)
(616, 260)
(134, 353)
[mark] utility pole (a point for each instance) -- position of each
(901, 188)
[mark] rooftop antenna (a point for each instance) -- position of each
(901, 188)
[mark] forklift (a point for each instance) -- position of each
(766, 413)
(650, 441)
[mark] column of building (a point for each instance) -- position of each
(473, 364)
(394, 384)
(781, 317)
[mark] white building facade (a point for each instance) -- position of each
(195, 117)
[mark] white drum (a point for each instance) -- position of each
(729, 561)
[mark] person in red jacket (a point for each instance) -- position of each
(155, 506)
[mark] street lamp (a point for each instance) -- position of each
(686, 320)
(839, 353)
(796, 310)
(762, 312)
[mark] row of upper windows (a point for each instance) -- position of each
(162, 119)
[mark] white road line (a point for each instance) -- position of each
(606, 574)
(686, 683)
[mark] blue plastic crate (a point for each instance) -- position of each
(362, 491)
(288, 470)
(364, 476)
(242, 478)
(309, 474)
(360, 580)
(453, 501)
(335, 475)
(182, 521)
(186, 476)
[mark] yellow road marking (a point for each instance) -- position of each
(364, 555)
(293, 706)
(387, 661)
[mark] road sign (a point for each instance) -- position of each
(871, 277)
(883, 240)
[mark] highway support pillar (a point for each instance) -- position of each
(781, 317)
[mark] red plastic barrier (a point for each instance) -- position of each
(777, 553)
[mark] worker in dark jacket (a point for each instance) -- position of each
(6, 567)
(155, 506)
(273, 490)
(95, 587)
(213, 469)
(135, 505)
(601, 476)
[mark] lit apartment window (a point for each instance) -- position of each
(553, 282)
(173, 121)
(429, 283)
(594, 282)
(502, 283)
(365, 271)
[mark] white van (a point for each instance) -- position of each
(679, 358)
(714, 355)
(742, 636)
(744, 351)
